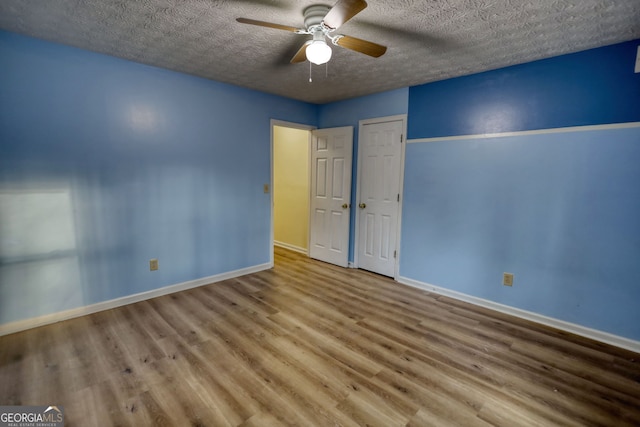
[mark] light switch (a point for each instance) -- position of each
(507, 279)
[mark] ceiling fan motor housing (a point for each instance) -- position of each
(313, 15)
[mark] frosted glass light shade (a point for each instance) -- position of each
(318, 52)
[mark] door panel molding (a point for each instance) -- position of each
(331, 158)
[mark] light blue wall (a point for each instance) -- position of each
(105, 164)
(559, 210)
(349, 113)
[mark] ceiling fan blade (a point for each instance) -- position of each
(267, 24)
(301, 55)
(342, 11)
(368, 48)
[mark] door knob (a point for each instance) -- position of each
(345, 206)
(362, 205)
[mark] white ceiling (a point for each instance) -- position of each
(427, 40)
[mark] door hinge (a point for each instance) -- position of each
(401, 138)
(395, 254)
(398, 196)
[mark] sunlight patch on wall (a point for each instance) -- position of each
(39, 269)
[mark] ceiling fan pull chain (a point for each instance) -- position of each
(326, 69)
(310, 80)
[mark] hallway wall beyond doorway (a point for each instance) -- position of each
(291, 188)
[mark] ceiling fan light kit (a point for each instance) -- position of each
(320, 21)
(318, 51)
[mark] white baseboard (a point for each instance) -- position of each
(21, 325)
(594, 334)
(290, 247)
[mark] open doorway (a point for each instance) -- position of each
(290, 185)
(311, 172)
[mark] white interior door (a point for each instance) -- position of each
(331, 155)
(380, 151)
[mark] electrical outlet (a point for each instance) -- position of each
(507, 279)
(153, 264)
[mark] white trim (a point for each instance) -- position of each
(358, 171)
(284, 124)
(573, 328)
(290, 247)
(402, 118)
(309, 182)
(384, 119)
(528, 132)
(396, 274)
(21, 325)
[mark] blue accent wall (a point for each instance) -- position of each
(349, 113)
(105, 164)
(560, 210)
(591, 87)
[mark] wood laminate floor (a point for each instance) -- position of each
(307, 344)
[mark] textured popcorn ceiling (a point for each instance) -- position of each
(428, 40)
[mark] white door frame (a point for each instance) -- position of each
(292, 125)
(361, 124)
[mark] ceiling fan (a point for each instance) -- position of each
(321, 21)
